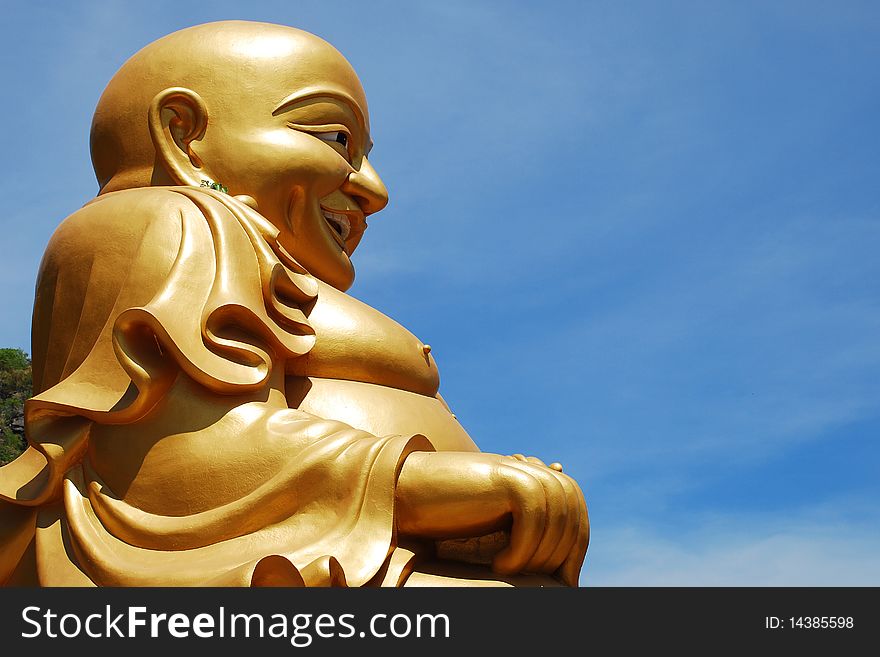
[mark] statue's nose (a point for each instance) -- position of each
(367, 188)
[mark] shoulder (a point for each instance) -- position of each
(130, 211)
(118, 224)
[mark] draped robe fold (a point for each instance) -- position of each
(143, 297)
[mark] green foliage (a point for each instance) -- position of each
(13, 359)
(16, 386)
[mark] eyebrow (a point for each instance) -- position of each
(308, 94)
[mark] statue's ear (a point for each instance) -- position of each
(177, 118)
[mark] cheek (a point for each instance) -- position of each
(269, 164)
(297, 160)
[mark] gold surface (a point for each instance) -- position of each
(211, 408)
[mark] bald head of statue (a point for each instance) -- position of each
(274, 115)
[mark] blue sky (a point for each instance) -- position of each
(641, 238)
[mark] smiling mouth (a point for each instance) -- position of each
(340, 224)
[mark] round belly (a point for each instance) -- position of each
(379, 410)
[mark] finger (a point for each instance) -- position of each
(556, 466)
(557, 519)
(556, 523)
(572, 526)
(535, 460)
(518, 457)
(570, 569)
(529, 511)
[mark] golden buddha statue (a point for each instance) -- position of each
(211, 407)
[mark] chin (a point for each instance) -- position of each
(341, 278)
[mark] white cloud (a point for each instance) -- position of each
(738, 550)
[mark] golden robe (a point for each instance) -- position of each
(163, 450)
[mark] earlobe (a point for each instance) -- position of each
(177, 118)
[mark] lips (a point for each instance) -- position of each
(340, 223)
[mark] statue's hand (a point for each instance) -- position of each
(445, 495)
(534, 459)
(550, 529)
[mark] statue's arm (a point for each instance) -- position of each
(444, 495)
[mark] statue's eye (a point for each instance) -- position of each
(337, 137)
